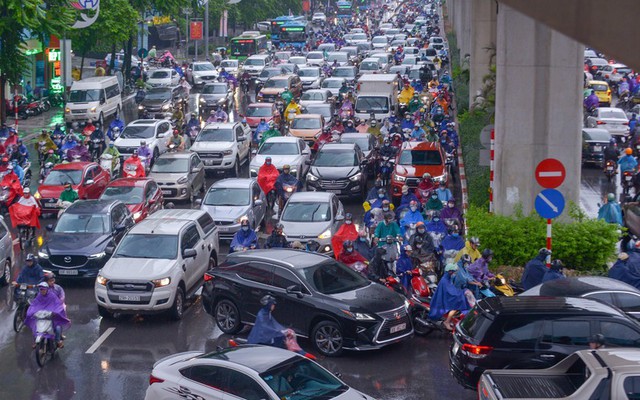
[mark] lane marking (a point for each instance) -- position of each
(550, 174)
(100, 340)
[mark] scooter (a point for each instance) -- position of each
(419, 306)
(106, 162)
(386, 168)
(95, 148)
(503, 287)
(610, 169)
(44, 171)
(627, 184)
(46, 346)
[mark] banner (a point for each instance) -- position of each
(196, 30)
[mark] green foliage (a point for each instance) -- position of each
(585, 246)
(471, 123)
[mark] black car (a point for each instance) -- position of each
(594, 142)
(163, 100)
(532, 332)
(319, 298)
(216, 94)
(369, 146)
(75, 248)
(338, 168)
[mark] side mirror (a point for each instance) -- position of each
(258, 203)
(102, 101)
(119, 228)
(89, 182)
(109, 250)
(50, 227)
(195, 170)
(295, 290)
(151, 202)
(198, 202)
(305, 152)
(189, 253)
(254, 152)
(242, 139)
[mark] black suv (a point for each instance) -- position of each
(163, 100)
(339, 168)
(532, 332)
(317, 297)
(75, 248)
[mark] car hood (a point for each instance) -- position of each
(278, 161)
(205, 73)
(304, 133)
(158, 80)
(333, 172)
(70, 243)
(154, 102)
(51, 191)
(225, 213)
(271, 91)
(166, 176)
(308, 229)
(221, 146)
(137, 268)
(373, 298)
(353, 394)
(419, 170)
(213, 97)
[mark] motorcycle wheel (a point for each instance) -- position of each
(46, 106)
(18, 318)
(418, 328)
(42, 353)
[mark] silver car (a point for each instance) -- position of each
(179, 175)
(6, 253)
(229, 201)
(283, 150)
(312, 216)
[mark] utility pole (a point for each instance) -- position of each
(206, 29)
(186, 11)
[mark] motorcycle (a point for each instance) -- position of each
(419, 305)
(193, 132)
(140, 95)
(23, 295)
(386, 168)
(44, 171)
(44, 104)
(610, 169)
(95, 148)
(26, 166)
(627, 184)
(63, 205)
(244, 85)
(130, 171)
(46, 346)
(106, 162)
(503, 287)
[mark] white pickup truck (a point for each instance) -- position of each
(586, 374)
(223, 146)
(158, 264)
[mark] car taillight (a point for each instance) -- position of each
(154, 379)
(208, 277)
(601, 123)
(475, 351)
(625, 123)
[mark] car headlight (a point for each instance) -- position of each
(253, 172)
(399, 178)
(137, 215)
(311, 177)
(356, 177)
(240, 218)
(101, 280)
(37, 196)
(140, 107)
(203, 100)
(325, 235)
(67, 110)
(227, 152)
(97, 255)
(407, 303)
(182, 180)
(93, 109)
(161, 282)
(165, 107)
(43, 254)
(359, 316)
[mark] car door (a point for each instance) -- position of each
(87, 189)
(561, 337)
(255, 281)
(292, 310)
(242, 141)
(101, 179)
(259, 204)
(202, 382)
(153, 195)
(628, 302)
(196, 172)
(162, 131)
(193, 267)
(242, 386)
(175, 78)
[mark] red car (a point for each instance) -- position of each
(257, 111)
(141, 196)
(87, 178)
(413, 160)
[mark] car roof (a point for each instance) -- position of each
(261, 105)
(597, 134)
(259, 56)
(137, 182)
(147, 121)
(233, 183)
(296, 259)
(307, 116)
(283, 139)
(256, 357)
(337, 146)
(217, 84)
(579, 286)
(201, 62)
(91, 206)
(176, 155)
(420, 146)
(161, 69)
(159, 226)
(74, 165)
(545, 305)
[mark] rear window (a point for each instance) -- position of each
(475, 324)
(599, 87)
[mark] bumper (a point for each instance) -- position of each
(227, 229)
(325, 244)
(175, 192)
(466, 375)
(593, 159)
(81, 116)
(149, 302)
(87, 269)
(339, 187)
(218, 164)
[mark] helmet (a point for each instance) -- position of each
(267, 300)
(348, 243)
(244, 222)
(43, 285)
(49, 275)
(348, 216)
(279, 227)
(486, 253)
(30, 257)
(611, 197)
(466, 258)
(474, 240)
(628, 151)
(544, 252)
(381, 191)
(26, 190)
(286, 166)
(450, 267)
(408, 248)
(598, 339)
(426, 175)
(557, 265)
(418, 239)
(143, 143)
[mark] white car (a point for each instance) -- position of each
(333, 85)
(223, 147)
(163, 77)
(612, 119)
(255, 64)
(311, 77)
(201, 72)
(250, 372)
(155, 132)
(316, 96)
(283, 150)
(380, 43)
(315, 58)
(318, 17)
(230, 66)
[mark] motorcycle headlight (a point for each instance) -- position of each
(183, 180)
(399, 178)
(43, 254)
(137, 215)
(97, 255)
(140, 107)
(101, 280)
(161, 282)
(356, 177)
(325, 235)
(311, 177)
(253, 173)
(67, 110)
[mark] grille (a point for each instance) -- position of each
(413, 181)
(127, 150)
(334, 184)
(166, 184)
(68, 261)
(210, 155)
(78, 111)
(207, 78)
(130, 287)
(385, 333)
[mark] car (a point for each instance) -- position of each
(316, 96)
(119, 61)
(596, 63)
(358, 38)
(614, 120)
(228, 201)
(155, 132)
(413, 160)
(607, 290)
(311, 77)
(315, 58)
(163, 77)
(318, 297)
(327, 110)
(594, 141)
(307, 127)
(76, 246)
(353, 52)
(369, 146)
(267, 73)
(411, 51)
(254, 65)
(179, 175)
(380, 42)
(399, 36)
(341, 57)
(276, 85)
(603, 91)
(384, 27)
(250, 372)
(350, 73)
(158, 264)
(142, 196)
(202, 72)
(218, 94)
(223, 147)
(230, 66)
(532, 332)
(87, 178)
(328, 47)
(333, 85)
(391, 32)
(338, 168)
(631, 216)
(370, 66)
(7, 256)
(401, 69)
(282, 56)
(393, 46)
(162, 101)
(385, 59)
(293, 64)
(318, 17)
(258, 111)
(613, 73)
(282, 150)
(410, 60)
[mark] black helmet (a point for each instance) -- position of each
(30, 257)
(418, 239)
(268, 299)
(466, 259)
(486, 253)
(348, 243)
(544, 252)
(598, 339)
(49, 275)
(279, 226)
(557, 265)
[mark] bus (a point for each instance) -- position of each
(277, 23)
(246, 45)
(344, 9)
(294, 33)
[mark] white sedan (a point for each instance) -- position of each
(318, 17)
(163, 77)
(612, 119)
(247, 372)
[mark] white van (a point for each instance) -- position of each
(93, 98)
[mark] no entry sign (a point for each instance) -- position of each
(550, 173)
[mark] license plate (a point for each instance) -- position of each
(49, 205)
(166, 192)
(455, 348)
(628, 178)
(610, 168)
(23, 286)
(334, 191)
(597, 148)
(68, 272)
(208, 162)
(398, 328)
(129, 298)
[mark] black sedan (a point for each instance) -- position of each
(317, 297)
(594, 142)
(75, 248)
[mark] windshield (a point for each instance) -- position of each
(372, 105)
(336, 158)
(259, 112)
(381, 59)
(138, 132)
(229, 64)
(277, 83)
(322, 109)
(612, 114)
(215, 135)
(268, 72)
(243, 47)
(302, 379)
(420, 157)
(363, 142)
(332, 84)
(306, 212)
(319, 96)
(227, 197)
(309, 72)
(414, 74)
(203, 67)
(369, 66)
(82, 223)
(79, 96)
(338, 57)
(306, 123)
(344, 73)
(158, 94)
(61, 176)
(126, 194)
(254, 61)
(315, 56)
(298, 60)
(156, 246)
(171, 165)
(214, 89)
(159, 75)
(278, 149)
(599, 87)
(380, 39)
(359, 36)
(331, 277)
(409, 61)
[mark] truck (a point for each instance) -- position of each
(377, 94)
(586, 374)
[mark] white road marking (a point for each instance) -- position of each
(549, 174)
(100, 340)
(549, 203)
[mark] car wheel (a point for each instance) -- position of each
(104, 313)
(327, 338)
(6, 273)
(177, 309)
(101, 119)
(227, 317)
(213, 262)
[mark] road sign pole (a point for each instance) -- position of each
(548, 259)
(491, 169)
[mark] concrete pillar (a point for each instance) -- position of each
(465, 30)
(538, 108)
(483, 40)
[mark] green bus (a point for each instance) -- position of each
(247, 44)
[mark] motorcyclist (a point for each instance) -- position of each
(145, 151)
(411, 217)
(374, 129)
(88, 128)
(134, 161)
(363, 246)
(347, 231)
(47, 143)
(404, 265)
(453, 241)
(286, 97)
(464, 280)
(116, 126)
(262, 127)
(112, 150)
(447, 298)
(452, 212)
(535, 269)
(386, 150)
(285, 178)
(611, 211)
(338, 126)
(418, 133)
(52, 157)
(374, 192)
(31, 274)
(245, 238)
(346, 109)
(431, 136)
(628, 162)
(416, 84)
(554, 271)
(434, 203)
(22, 152)
(415, 104)
(50, 278)
(185, 85)
(177, 140)
(479, 268)
(351, 127)
(344, 89)
(387, 228)
(267, 331)
(292, 109)
(349, 255)
(406, 94)
(272, 132)
(68, 194)
(591, 102)
(470, 248)
(443, 192)
(47, 300)
(267, 176)
(407, 123)
(277, 238)
(178, 117)
(98, 134)
(194, 122)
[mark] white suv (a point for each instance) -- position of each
(223, 146)
(155, 132)
(158, 264)
(255, 64)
